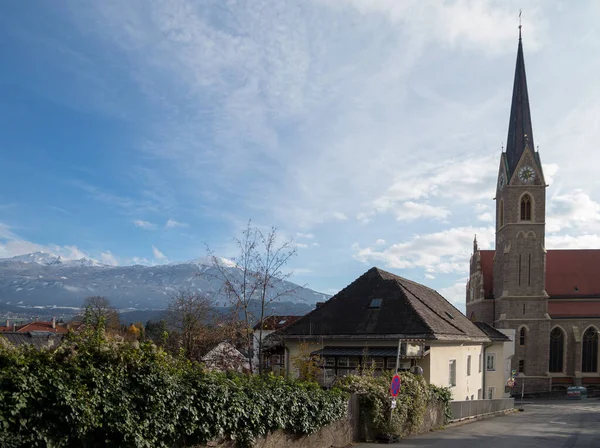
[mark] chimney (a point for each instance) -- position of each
(7, 324)
(54, 322)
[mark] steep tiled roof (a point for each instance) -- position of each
(38, 339)
(407, 309)
(491, 332)
(277, 322)
(569, 273)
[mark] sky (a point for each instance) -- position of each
(368, 131)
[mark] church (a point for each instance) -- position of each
(550, 297)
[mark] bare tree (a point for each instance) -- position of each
(100, 310)
(189, 314)
(257, 275)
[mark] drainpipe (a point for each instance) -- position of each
(484, 367)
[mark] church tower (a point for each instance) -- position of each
(519, 265)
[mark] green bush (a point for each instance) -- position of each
(412, 401)
(94, 393)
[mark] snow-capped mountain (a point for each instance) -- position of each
(44, 279)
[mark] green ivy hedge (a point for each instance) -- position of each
(412, 401)
(94, 393)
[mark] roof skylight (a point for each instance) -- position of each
(375, 303)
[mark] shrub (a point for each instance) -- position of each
(412, 401)
(94, 392)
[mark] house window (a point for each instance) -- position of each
(557, 340)
(343, 362)
(490, 393)
(469, 365)
(452, 373)
(589, 355)
(526, 208)
(353, 362)
(480, 358)
(522, 365)
(329, 361)
(490, 363)
(501, 213)
(522, 335)
(378, 363)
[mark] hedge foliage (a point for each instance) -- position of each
(412, 401)
(93, 392)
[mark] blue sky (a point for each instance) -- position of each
(367, 131)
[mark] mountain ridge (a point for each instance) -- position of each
(44, 279)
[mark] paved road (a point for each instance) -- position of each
(564, 424)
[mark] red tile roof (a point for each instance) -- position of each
(569, 273)
(42, 326)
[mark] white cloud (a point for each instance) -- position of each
(484, 25)
(141, 261)
(409, 211)
(305, 235)
(12, 245)
(573, 242)
(172, 224)
(380, 242)
(486, 217)
(573, 210)
(429, 276)
(108, 258)
(339, 216)
(158, 255)
(456, 294)
(143, 224)
(447, 251)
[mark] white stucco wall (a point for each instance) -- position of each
(467, 386)
(436, 366)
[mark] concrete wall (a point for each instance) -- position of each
(467, 386)
(466, 409)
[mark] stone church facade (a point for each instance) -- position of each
(550, 297)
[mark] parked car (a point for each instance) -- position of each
(576, 393)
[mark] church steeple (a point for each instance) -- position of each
(520, 132)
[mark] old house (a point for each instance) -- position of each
(380, 316)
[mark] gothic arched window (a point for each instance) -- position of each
(522, 336)
(557, 349)
(526, 208)
(589, 355)
(501, 213)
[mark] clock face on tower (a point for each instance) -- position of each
(526, 174)
(501, 181)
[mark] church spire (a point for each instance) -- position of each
(520, 132)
